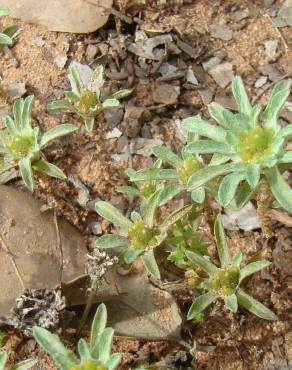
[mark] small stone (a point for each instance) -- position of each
(245, 218)
(60, 61)
(190, 77)
(221, 32)
(91, 52)
(165, 94)
(222, 74)
(113, 117)
(134, 118)
(206, 95)
(227, 101)
(95, 228)
(16, 90)
(212, 62)
(286, 13)
(271, 71)
(144, 146)
(261, 81)
(269, 3)
(39, 41)
(279, 22)
(113, 134)
(240, 15)
(271, 49)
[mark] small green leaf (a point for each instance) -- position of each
(89, 123)
(49, 169)
(198, 195)
(75, 80)
(167, 155)
(208, 147)
(61, 105)
(286, 157)
(201, 127)
(236, 259)
(5, 39)
(112, 214)
(255, 307)
(83, 350)
(3, 360)
(231, 302)
(243, 195)
(150, 263)
(11, 31)
(169, 192)
(51, 343)
(253, 267)
(105, 345)
(57, 132)
(121, 94)
(253, 174)
(241, 97)
(114, 361)
(220, 114)
(221, 243)
(64, 363)
(26, 113)
(17, 112)
(150, 208)
(11, 126)
(202, 262)
(111, 241)
(129, 190)
(97, 327)
(71, 96)
(4, 10)
(206, 174)
(280, 188)
(26, 173)
(219, 159)
(285, 132)
(201, 303)
(130, 255)
(110, 103)
(278, 97)
(228, 187)
(175, 216)
(24, 365)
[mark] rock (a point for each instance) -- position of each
(165, 94)
(144, 146)
(190, 76)
(134, 118)
(16, 90)
(221, 32)
(261, 81)
(95, 228)
(113, 134)
(91, 52)
(286, 13)
(227, 101)
(271, 71)
(271, 49)
(212, 62)
(113, 116)
(239, 15)
(244, 218)
(39, 41)
(75, 16)
(222, 74)
(60, 61)
(83, 193)
(206, 95)
(29, 254)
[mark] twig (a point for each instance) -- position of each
(59, 241)
(7, 250)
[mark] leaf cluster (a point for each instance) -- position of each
(23, 365)
(85, 98)
(9, 33)
(22, 145)
(95, 355)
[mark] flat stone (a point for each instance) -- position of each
(16, 90)
(77, 16)
(221, 32)
(245, 218)
(222, 74)
(261, 81)
(212, 62)
(271, 47)
(271, 71)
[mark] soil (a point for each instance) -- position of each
(234, 341)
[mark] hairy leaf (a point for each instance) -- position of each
(221, 243)
(112, 214)
(111, 241)
(201, 303)
(150, 263)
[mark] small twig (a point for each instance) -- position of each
(7, 250)
(59, 242)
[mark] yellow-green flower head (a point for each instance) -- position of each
(142, 237)
(225, 281)
(87, 102)
(190, 165)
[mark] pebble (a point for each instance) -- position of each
(271, 71)
(246, 218)
(16, 90)
(222, 74)
(261, 81)
(113, 134)
(190, 77)
(39, 41)
(221, 32)
(60, 61)
(212, 62)
(271, 47)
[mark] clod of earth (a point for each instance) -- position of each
(30, 254)
(60, 15)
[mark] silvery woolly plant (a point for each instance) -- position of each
(23, 365)
(85, 98)
(21, 145)
(8, 34)
(247, 147)
(140, 235)
(224, 281)
(95, 355)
